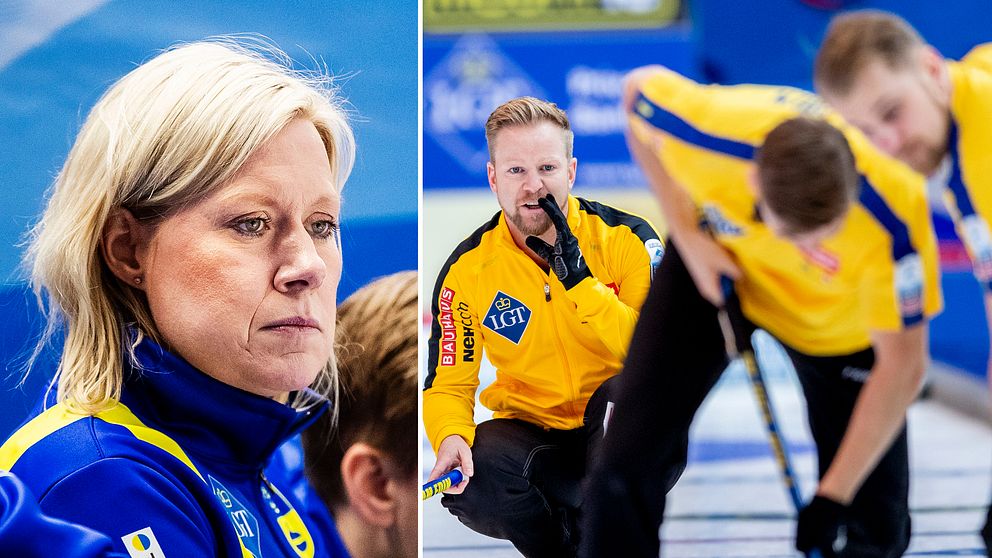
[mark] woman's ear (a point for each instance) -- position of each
(366, 482)
(122, 244)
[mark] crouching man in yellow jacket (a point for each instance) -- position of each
(550, 288)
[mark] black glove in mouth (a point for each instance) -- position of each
(565, 257)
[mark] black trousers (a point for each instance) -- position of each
(527, 482)
(676, 356)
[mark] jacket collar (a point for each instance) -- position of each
(208, 418)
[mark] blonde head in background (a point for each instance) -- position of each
(365, 469)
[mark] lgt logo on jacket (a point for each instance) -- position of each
(507, 316)
(245, 524)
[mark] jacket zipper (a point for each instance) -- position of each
(276, 529)
(561, 349)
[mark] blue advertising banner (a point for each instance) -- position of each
(467, 76)
(775, 42)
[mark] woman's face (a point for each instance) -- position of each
(243, 284)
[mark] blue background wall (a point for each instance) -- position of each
(50, 77)
(774, 41)
(467, 76)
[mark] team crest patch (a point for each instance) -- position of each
(656, 250)
(142, 544)
(975, 233)
(289, 521)
(720, 225)
(507, 316)
(245, 524)
(909, 285)
(296, 533)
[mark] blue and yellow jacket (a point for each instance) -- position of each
(879, 272)
(287, 469)
(174, 469)
(25, 532)
(551, 347)
(969, 183)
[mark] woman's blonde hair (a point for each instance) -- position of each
(163, 137)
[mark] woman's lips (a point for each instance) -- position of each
(296, 324)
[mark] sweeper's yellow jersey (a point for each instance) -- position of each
(969, 147)
(878, 272)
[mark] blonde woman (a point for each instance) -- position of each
(190, 247)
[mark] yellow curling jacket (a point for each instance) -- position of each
(551, 348)
(969, 182)
(979, 57)
(879, 272)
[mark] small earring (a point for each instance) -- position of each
(137, 280)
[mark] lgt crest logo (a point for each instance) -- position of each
(245, 524)
(472, 79)
(508, 317)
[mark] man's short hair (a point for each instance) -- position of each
(527, 110)
(377, 360)
(854, 39)
(807, 174)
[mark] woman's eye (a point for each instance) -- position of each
(325, 228)
(252, 226)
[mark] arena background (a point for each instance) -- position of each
(477, 56)
(730, 502)
(57, 58)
